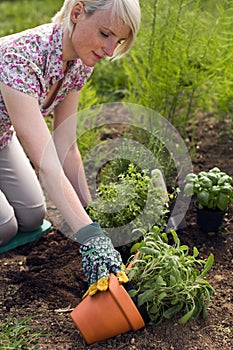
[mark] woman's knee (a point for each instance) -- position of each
(8, 222)
(29, 219)
(8, 230)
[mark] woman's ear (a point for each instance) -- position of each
(76, 11)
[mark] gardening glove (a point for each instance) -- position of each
(99, 258)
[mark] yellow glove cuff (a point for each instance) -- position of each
(121, 276)
(102, 284)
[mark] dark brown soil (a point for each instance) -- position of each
(44, 278)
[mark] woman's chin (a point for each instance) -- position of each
(90, 61)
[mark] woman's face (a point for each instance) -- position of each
(95, 36)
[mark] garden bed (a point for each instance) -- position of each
(44, 279)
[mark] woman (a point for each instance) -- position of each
(43, 70)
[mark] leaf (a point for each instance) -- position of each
(184, 248)
(161, 296)
(222, 201)
(160, 282)
(154, 310)
(146, 296)
(164, 237)
(176, 274)
(223, 180)
(203, 198)
(195, 252)
(132, 293)
(147, 250)
(175, 301)
(213, 178)
(208, 264)
(190, 177)
(172, 311)
(188, 190)
(215, 170)
(204, 312)
(175, 237)
(206, 182)
(172, 280)
(186, 317)
(135, 247)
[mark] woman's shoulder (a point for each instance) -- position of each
(36, 45)
(41, 33)
(47, 30)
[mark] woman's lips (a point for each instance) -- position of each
(97, 56)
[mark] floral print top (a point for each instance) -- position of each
(31, 62)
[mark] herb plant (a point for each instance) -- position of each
(168, 280)
(212, 189)
(134, 197)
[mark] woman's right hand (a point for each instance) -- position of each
(99, 258)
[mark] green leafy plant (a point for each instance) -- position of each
(120, 202)
(16, 334)
(168, 280)
(213, 189)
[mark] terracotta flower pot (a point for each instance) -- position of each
(107, 314)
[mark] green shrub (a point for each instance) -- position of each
(181, 62)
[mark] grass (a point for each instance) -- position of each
(22, 14)
(16, 334)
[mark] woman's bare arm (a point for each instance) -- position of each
(65, 138)
(38, 144)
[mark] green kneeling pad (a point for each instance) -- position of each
(26, 237)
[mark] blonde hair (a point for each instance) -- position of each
(128, 10)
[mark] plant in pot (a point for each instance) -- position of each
(213, 192)
(164, 281)
(168, 280)
(135, 199)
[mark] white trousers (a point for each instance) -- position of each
(22, 203)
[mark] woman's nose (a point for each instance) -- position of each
(109, 48)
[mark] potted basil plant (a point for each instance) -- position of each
(213, 192)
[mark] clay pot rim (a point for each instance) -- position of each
(122, 303)
(129, 309)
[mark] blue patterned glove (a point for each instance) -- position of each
(99, 258)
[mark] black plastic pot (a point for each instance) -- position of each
(142, 309)
(209, 220)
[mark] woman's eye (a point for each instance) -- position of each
(104, 34)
